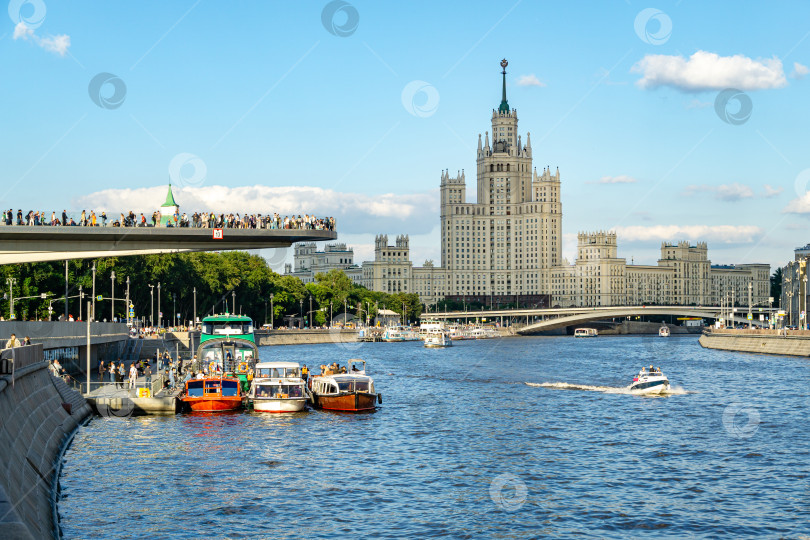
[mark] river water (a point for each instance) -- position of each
(506, 438)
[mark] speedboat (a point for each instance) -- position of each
(352, 391)
(649, 382)
(663, 331)
(278, 387)
(437, 339)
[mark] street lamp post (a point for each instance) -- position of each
(271, 311)
(152, 305)
(112, 296)
(233, 298)
(160, 313)
(194, 315)
(127, 306)
(750, 320)
(92, 315)
(81, 297)
(301, 310)
(309, 315)
(11, 281)
(174, 309)
(66, 290)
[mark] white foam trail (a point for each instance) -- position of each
(605, 389)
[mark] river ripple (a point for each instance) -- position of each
(463, 447)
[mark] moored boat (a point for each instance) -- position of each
(228, 348)
(352, 391)
(649, 382)
(278, 387)
(213, 394)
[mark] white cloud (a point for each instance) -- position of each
(355, 212)
(22, 31)
(771, 191)
(58, 44)
(798, 206)
(724, 192)
(621, 179)
(726, 234)
(529, 80)
(799, 71)
(709, 71)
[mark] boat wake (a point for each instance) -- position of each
(674, 391)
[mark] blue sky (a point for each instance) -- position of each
(245, 94)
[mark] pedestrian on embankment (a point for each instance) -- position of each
(101, 371)
(119, 380)
(148, 374)
(112, 372)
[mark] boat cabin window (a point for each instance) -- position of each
(278, 373)
(346, 386)
(279, 391)
(361, 386)
(230, 388)
(195, 388)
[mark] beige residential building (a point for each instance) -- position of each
(684, 276)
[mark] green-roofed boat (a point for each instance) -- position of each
(228, 347)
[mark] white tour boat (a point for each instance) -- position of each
(399, 333)
(649, 382)
(278, 387)
(585, 332)
(437, 339)
(664, 331)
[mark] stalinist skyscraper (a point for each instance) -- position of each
(503, 245)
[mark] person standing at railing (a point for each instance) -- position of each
(13, 342)
(119, 375)
(101, 371)
(147, 372)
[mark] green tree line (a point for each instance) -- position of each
(221, 280)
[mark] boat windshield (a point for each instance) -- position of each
(226, 328)
(278, 373)
(195, 388)
(279, 391)
(353, 386)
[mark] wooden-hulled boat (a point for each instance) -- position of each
(352, 391)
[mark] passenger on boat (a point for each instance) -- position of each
(354, 368)
(200, 375)
(652, 369)
(343, 369)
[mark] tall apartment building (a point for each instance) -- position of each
(501, 246)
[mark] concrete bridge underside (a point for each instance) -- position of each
(20, 244)
(620, 312)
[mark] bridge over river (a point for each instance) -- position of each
(23, 244)
(542, 320)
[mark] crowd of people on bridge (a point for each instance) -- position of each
(197, 220)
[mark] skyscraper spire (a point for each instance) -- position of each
(504, 104)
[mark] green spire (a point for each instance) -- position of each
(170, 198)
(504, 104)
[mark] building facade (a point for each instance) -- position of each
(684, 276)
(794, 296)
(308, 261)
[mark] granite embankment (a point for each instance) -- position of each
(38, 415)
(795, 343)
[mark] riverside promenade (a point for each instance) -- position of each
(38, 416)
(781, 342)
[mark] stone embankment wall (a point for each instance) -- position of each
(305, 337)
(795, 343)
(35, 425)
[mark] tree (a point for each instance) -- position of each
(776, 287)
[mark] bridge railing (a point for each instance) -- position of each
(20, 357)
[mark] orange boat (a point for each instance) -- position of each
(352, 391)
(214, 394)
